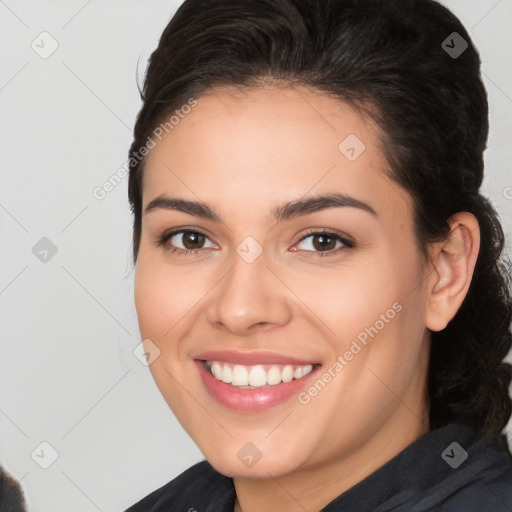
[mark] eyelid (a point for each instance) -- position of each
(347, 241)
(327, 231)
(166, 235)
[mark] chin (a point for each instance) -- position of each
(266, 466)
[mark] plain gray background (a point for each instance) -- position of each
(69, 377)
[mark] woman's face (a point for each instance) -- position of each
(264, 286)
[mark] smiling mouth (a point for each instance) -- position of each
(256, 376)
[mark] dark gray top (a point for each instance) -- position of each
(450, 469)
(11, 495)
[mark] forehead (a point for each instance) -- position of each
(261, 143)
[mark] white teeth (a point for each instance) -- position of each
(256, 376)
(217, 370)
(240, 376)
(227, 374)
(274, 376)
(287, 375)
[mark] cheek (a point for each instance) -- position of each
(162, 300)
(163, 297)
(375, 302)
(347, 299)
(380, 331)
(155, 302)
(150, 300)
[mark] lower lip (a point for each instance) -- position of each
(251, 400)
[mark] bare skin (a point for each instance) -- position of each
(245, 154)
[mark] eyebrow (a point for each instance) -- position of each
(290, 210)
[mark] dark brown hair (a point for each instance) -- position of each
(388, 58)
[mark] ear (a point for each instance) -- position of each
(454, 261)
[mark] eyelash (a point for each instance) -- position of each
(348, 244)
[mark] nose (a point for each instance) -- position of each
(250, 297)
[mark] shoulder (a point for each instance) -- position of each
(485, 483)
(11, 496)
(196, 488)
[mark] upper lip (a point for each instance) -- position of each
(251, 358)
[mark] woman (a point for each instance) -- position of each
(318, 279)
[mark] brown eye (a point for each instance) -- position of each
(192, 240)
(184, 241)
(324, 243)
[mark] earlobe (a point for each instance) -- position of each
(454, 261)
